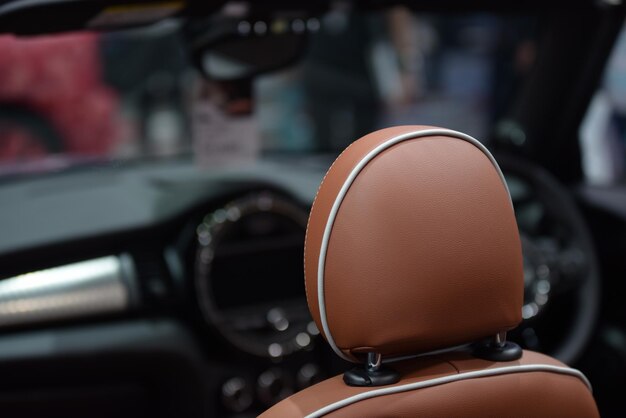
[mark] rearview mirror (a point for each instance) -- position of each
(246, 49)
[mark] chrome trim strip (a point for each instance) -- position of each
(344, 190)
(85, 288)
(528, 368)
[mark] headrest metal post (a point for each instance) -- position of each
(374, 361)
(371, 373)
(500, 339)
(497, 348)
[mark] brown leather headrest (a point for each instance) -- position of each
(412, 245)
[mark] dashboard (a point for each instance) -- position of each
(160, 289)
(150, 274)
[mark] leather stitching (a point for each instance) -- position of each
(306, 291)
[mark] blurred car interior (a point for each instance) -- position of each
(159, 160)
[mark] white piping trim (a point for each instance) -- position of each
(344, 190)
(449, 379)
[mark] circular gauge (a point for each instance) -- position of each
(249, 275)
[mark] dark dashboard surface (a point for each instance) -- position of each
(105, 200)
(159, 335)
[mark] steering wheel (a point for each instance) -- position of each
(561, 275)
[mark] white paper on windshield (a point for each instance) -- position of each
(220, 139)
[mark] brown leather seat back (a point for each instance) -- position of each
(412, 246)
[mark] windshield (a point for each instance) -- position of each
(89, 98)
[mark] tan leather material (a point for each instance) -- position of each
(334, 389)
(526, 394)
(424, 251)
(325, 197)
(466, 363)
